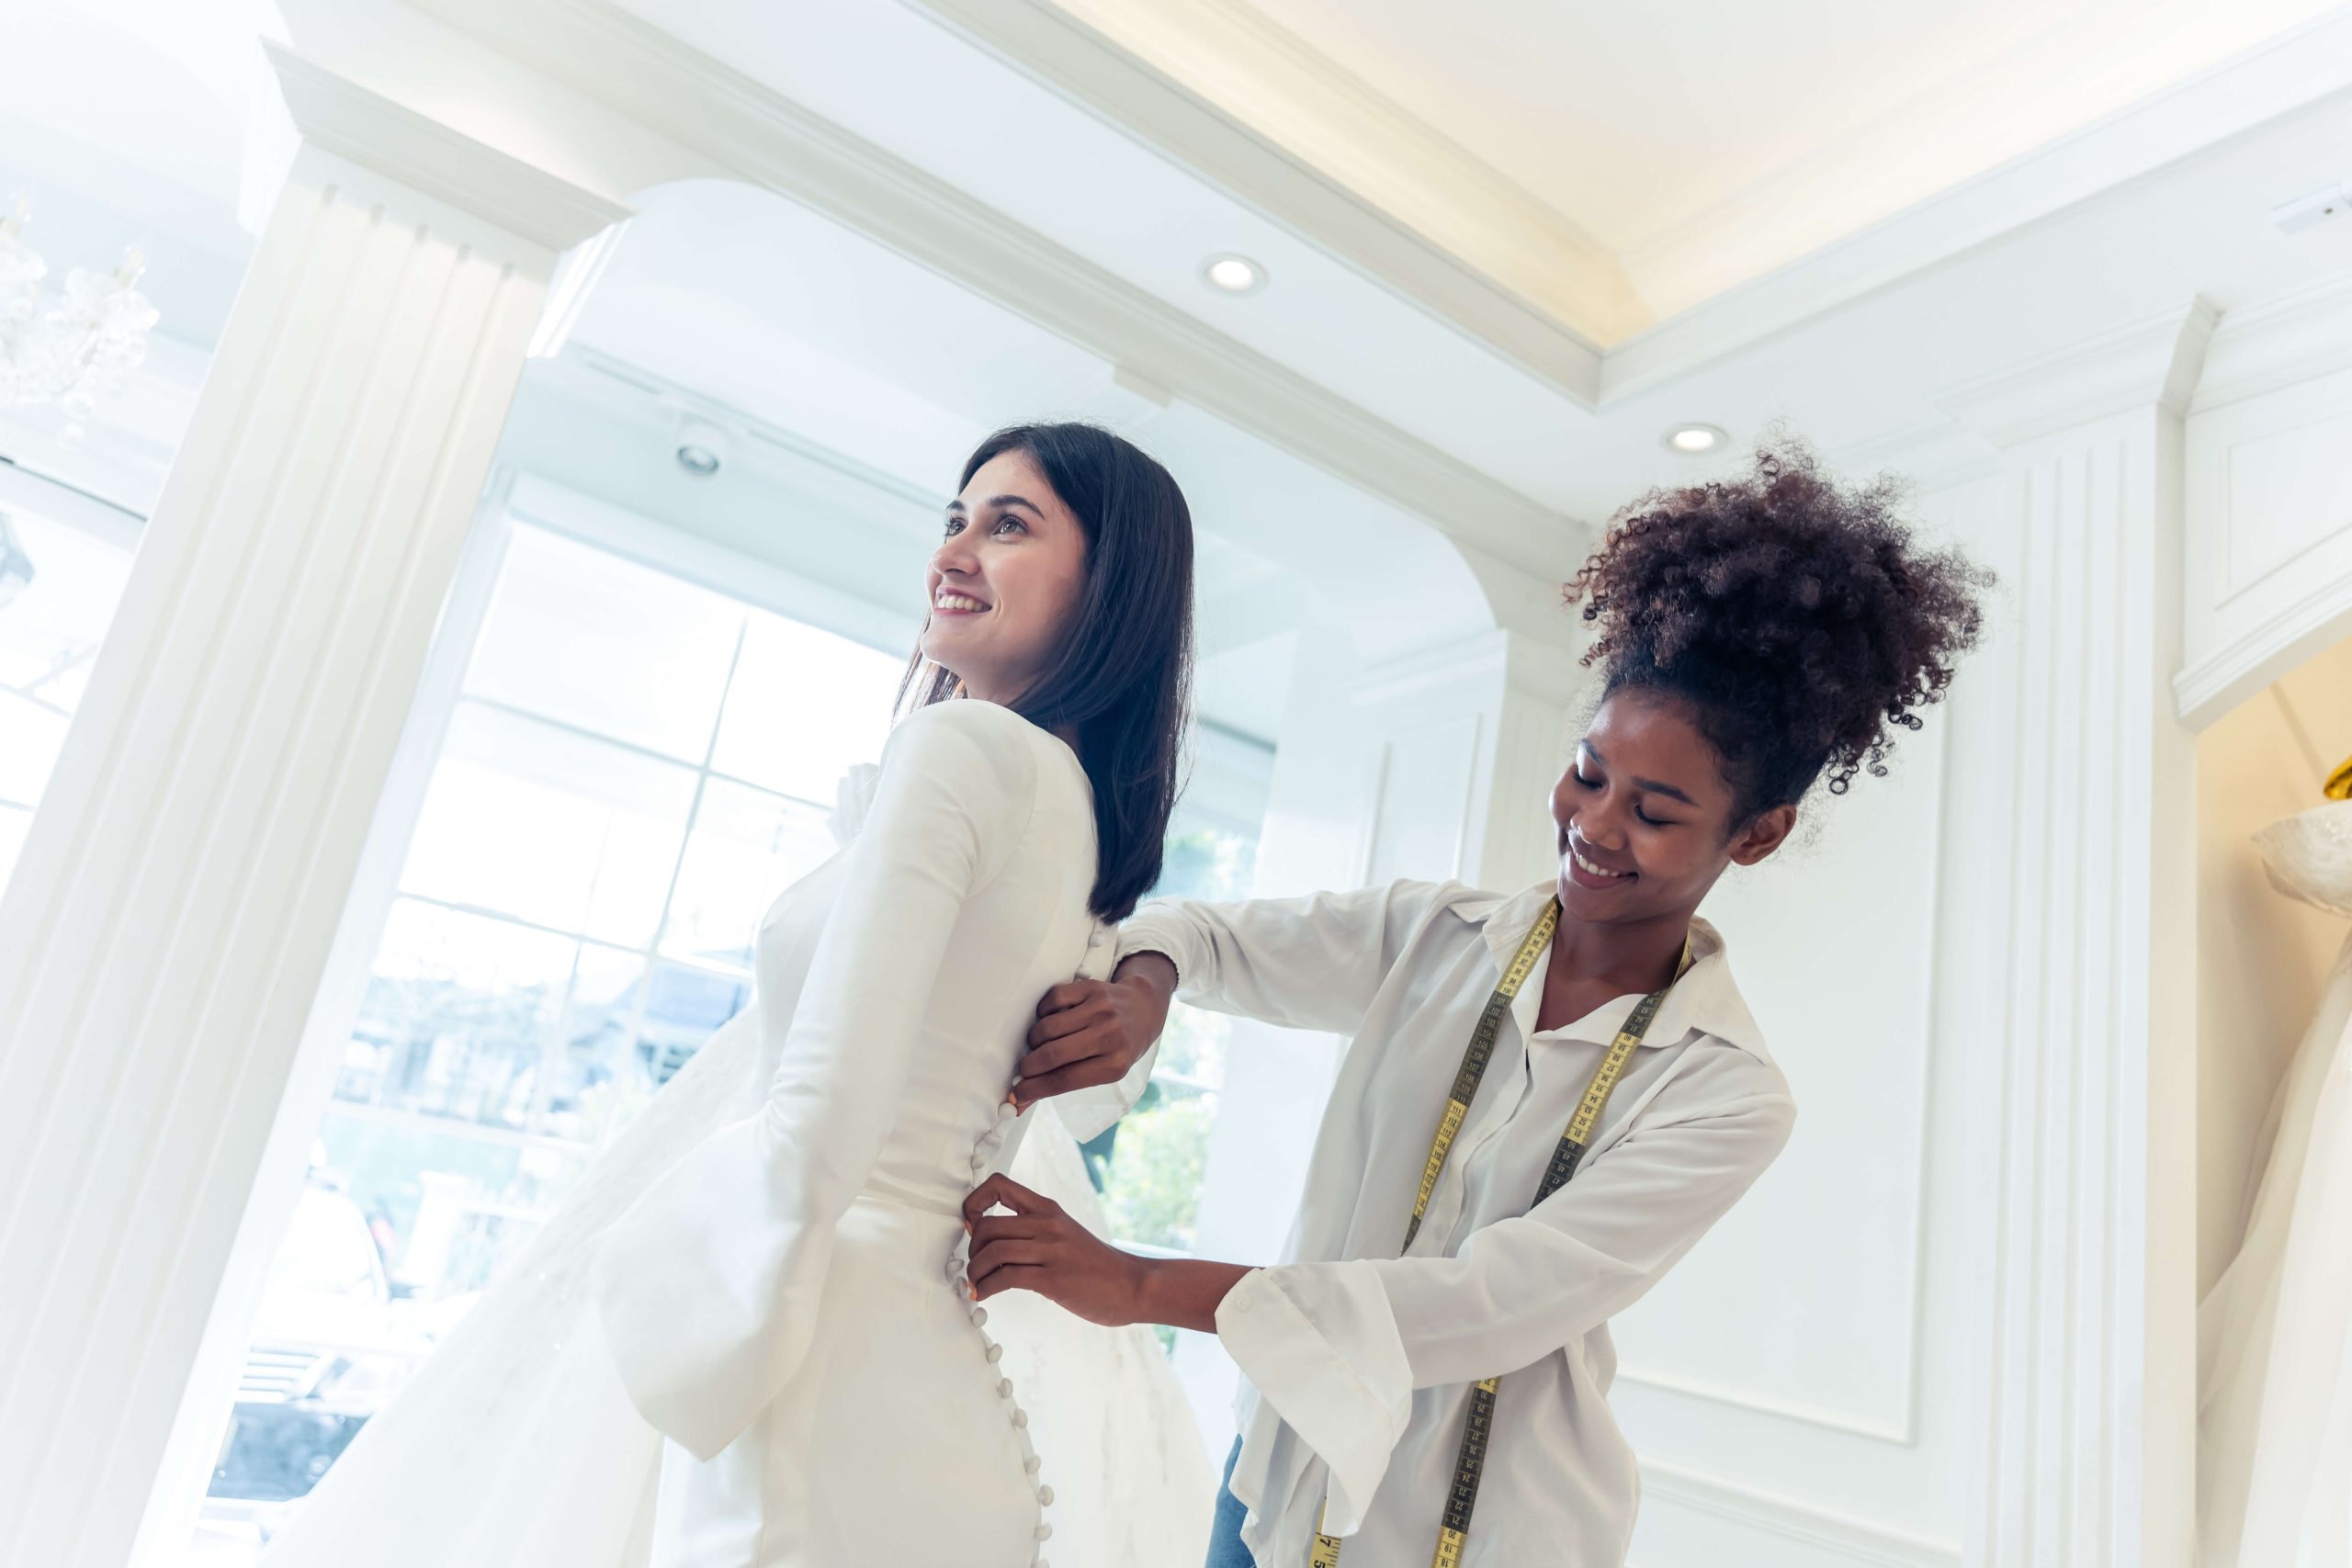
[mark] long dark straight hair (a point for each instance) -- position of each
(1120, 674)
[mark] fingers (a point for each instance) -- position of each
(1010, 1227)
(1012, 1277)
(987, 1261)
(1080, 1019)
(1069, 994)
(1045, 1057)
(1002, 1189)
(1091, 1073)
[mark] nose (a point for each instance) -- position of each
(953, 557)
(1601, 823)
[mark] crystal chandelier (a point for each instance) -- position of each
(73, 348)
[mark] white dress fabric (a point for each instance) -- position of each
(1358, 1362)
(766, 1265)
(2274, 1333)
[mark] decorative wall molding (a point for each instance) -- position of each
(336, 114)
(1876, 888)
(2084, 1412)
(2277, 343)
(767, 138)
(2269, 530)
(2155, 360)
(163, 937)
(1848, 1539)
(1512, 273)
(1939, 455)
(2258, 654)
(1899, 1433)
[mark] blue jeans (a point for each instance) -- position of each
(1226, 1550)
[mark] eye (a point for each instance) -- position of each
(955, 526)
(1577, 774)
(1641, 816)
(1012, 523)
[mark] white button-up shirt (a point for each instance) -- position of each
(1358, 1362)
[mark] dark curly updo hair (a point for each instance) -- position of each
(1794, 615)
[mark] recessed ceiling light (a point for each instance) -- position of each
(701, 448)
(1233, 275)
(1692, 439)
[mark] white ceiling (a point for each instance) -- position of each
(776, 310)
(1646, 125)
(899, 355)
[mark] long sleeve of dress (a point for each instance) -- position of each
(1338, 1349)
(709, 1287)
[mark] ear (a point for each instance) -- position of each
(1761, 838)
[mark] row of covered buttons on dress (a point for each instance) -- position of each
(983, 1161)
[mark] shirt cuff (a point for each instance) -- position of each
(1163, 931)
(1318, 1343)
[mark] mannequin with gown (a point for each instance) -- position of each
(2274, 1333)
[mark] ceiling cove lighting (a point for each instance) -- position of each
(1229, 274)
(1692, 440)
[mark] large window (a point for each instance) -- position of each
(59, 585)
(1151, 1164)
(633, 766)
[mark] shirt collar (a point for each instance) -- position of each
(1705, 1000)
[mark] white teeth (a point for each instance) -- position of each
(957, 601)
(1591, 870)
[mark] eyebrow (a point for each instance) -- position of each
(1001, 500)
(1653, 786)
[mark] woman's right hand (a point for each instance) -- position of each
(1090, 1032)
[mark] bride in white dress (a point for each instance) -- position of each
(761, 1281)
(2274, 1333)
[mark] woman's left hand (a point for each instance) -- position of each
(1040, 1247)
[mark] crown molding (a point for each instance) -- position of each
(2281, 341)
(1938, 455)
(2155, 360)
(2302, 70)
(1338, 164)
(1461, 266)
(767, 139)
(339, 116)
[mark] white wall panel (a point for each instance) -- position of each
(1421, 800)
(2269, 497)
(1833, 942)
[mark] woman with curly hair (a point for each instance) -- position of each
(1439, 1336)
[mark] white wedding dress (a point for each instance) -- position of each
(763, 1269)
(2274, 1333)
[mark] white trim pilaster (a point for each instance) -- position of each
(2082, 793)
(164, 932)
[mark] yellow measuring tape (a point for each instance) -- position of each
(1478, 1423)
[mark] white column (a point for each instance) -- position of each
(163, 935)
(2083, 1146)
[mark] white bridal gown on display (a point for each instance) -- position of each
(2274, 1334)
(764, 1268)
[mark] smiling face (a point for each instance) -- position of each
(1644, 815)
(1004, 580)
